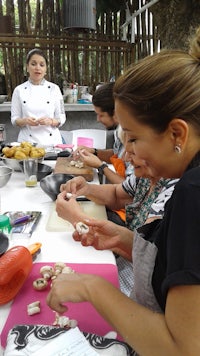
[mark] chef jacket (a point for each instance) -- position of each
(43, 100)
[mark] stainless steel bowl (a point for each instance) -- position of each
(51, 184)
(5, 174)
(14, 163)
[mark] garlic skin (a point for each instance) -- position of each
(82, 228)
(67, 270)
(33, 308)
(64, 322)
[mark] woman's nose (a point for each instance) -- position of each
(128, 156)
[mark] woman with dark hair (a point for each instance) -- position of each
(37, 105)
(157, 103)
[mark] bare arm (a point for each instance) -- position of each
(111, 195)
(91, 160)
(102, 155)
(149, 333)
(31, 121)
(45, 121)
(112, 176)
(106, 235)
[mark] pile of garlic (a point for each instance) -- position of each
(48, 273)
(77, 164)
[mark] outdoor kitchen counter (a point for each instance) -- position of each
(5, 107)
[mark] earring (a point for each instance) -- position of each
(177, 149)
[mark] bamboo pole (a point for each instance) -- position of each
(88, 58)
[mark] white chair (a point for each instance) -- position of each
(67, 136)
(90, 138)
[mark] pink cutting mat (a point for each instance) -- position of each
(88, 319)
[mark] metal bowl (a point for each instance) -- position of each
(51, 184)
(14, 163)
(5, 174)
(3, 98)
(4, 243)
(43, 170)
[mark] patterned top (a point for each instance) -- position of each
(145, 203)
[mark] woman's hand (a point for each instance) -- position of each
(72, 287)
(76, 153)
(106, 235)
(31, 121)
(69, 210)
(45, 121)
(89, 159)
(76, 186)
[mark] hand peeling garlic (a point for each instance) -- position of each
(69, 195)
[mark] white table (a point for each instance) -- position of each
(56, 246)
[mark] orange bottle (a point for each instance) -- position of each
(15, 266)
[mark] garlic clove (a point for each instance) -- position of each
(82, 228)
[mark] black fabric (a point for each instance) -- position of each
(114, 217)
(177, 238)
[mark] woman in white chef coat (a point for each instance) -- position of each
(37, 105)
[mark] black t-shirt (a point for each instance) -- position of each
(177, 238)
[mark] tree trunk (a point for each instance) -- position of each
(176, 21)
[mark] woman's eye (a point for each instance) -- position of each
(131, 140)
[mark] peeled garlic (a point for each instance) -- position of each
(69, 195)
(33, 308)
(82, 228)
(67, 270)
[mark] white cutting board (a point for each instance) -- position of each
(93, 210)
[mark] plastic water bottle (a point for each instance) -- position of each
(75, 94)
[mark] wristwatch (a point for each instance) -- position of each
(101, 168)
(95, 152)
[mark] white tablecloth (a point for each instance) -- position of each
(56, 246)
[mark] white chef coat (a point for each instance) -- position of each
(43, 100)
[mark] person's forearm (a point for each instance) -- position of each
(104, 194)
(146, 331)
(21, 122)
(104, 155)
(55, 122)
(112, 176)
(125, 245)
